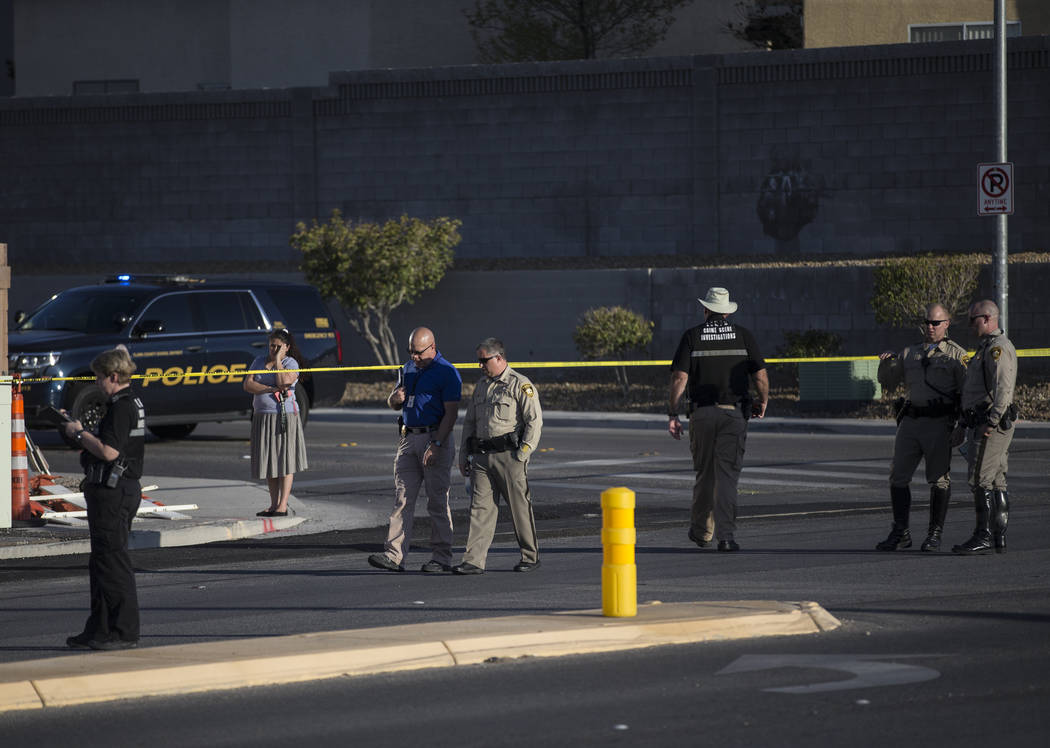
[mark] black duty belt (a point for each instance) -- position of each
(500, 443)
(933, 410)
(418, 429)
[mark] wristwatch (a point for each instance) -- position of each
(79, 435)
(436, 442)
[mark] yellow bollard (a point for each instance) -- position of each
(619, 573)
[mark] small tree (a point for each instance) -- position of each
(371, 269)
(769, 24)
(530, 30)
(612, 331)
(904, 288)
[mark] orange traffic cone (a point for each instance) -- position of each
(21, 511)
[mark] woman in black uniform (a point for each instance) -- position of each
(112, 461)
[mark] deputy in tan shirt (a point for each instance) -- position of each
(501, 430)
(989, 415)
(932, 372)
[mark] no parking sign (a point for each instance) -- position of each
(995, 189)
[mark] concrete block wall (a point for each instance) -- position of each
(583, 159)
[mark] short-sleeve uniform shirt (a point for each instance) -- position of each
(427, 390)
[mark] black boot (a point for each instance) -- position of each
(939, 499)
(981, 541)
(900, 535)
(1000, 516)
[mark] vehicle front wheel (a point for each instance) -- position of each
(88, 404)
(172, 430)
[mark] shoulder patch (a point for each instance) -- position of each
(528, 390)
(996, 353)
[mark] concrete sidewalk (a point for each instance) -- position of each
(226, 512)
(191, 668)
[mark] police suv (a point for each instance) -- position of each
(192, 338)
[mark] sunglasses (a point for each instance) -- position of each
(978, 316)
(419, 353)
(482, 360)
(935, 322)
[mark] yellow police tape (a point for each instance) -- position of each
(237, 372)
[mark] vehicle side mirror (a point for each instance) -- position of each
(148, 327)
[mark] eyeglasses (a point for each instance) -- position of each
(935, 322)
(419, 353)
(486, 359)
(978, 316)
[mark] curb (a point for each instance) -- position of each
(194, 668)
(212, 531)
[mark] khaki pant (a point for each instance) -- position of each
(717, 437)
(986, 459)
(919, 438)
(492, 475)
(409, 476)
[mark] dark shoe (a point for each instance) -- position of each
(977, 545)
(728, 545)
(981, 540)
(933, 541)
(264, 513)
(899, 537)
(467, 568)
(80, 641)
(112, 645)
(998, 519)
(382, 561)
(939, 500)
(278, 514)
(700, 542)
(434, 567)
(527, 565)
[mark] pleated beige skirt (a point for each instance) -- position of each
(274, 454)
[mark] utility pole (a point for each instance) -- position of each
(999, 261)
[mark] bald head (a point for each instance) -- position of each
(985, 306)
(422, 347)
(984, 317)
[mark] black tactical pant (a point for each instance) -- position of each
(114, 599)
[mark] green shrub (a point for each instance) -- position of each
(612, 332)
(904, 288)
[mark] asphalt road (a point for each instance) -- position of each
(948, 650)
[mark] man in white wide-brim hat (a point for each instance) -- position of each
(718, 361)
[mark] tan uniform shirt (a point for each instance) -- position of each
(502, 405)
(941, 378)
(991, 376)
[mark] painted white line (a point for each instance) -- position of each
(599, 487)
(744, 480)
(816, 473)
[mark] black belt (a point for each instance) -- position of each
(418, 429)
(500, 443)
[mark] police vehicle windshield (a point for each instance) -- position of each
(86, 311)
